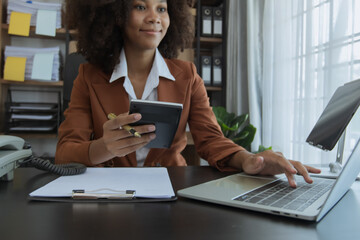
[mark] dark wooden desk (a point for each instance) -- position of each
(182, 219)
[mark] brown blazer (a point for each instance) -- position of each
(93, 97)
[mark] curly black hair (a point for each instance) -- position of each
(100, 25)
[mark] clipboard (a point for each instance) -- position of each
(109, 185)
(100, 200)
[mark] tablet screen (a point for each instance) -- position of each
(336, 116)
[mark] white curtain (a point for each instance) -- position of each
(297, 53)
(243, 88)
(254, 54)
(310, 47)
(237, 84)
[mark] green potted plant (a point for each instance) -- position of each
(236, 128)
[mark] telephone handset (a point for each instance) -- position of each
(11, 155)
(14, 153)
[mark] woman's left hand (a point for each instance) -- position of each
(271, 163)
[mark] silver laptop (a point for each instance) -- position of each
(273, 194)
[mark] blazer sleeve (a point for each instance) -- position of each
(209, 140)
(75, 131)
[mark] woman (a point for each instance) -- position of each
(130, 47)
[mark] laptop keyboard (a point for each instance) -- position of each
(280, 194)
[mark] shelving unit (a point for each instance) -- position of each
(206, 44)
(6, 85)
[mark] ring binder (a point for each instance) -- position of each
(217, 71)
(206, 29)
(96, 194)
(206, 69)
(217, 21)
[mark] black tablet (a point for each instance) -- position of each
(164, 115)
(336, 116)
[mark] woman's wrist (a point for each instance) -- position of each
(98, 152)
(238, 158)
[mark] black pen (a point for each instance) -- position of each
(131, 130)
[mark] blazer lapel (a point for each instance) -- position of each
(172, 91)
(112, 96)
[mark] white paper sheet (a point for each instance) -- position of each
(46, 23)
(147, 182)
(42, 67)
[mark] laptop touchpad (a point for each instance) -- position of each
(229, 187)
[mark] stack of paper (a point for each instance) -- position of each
(40, 64)
(32, 7)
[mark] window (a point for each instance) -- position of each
(310, 48)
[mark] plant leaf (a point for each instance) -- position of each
(250, 137)
(240, 136)
(240, 119)
(262, 148)
(220, 112)
(230, 124)
(233, 128)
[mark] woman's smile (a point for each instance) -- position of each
(151, 31)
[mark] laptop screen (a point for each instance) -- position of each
(336, 116)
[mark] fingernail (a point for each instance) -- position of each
(152, 136)
(137, 116)
(151, 128)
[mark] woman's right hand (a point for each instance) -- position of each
(117, 142)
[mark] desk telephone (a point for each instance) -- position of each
(14, 153)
